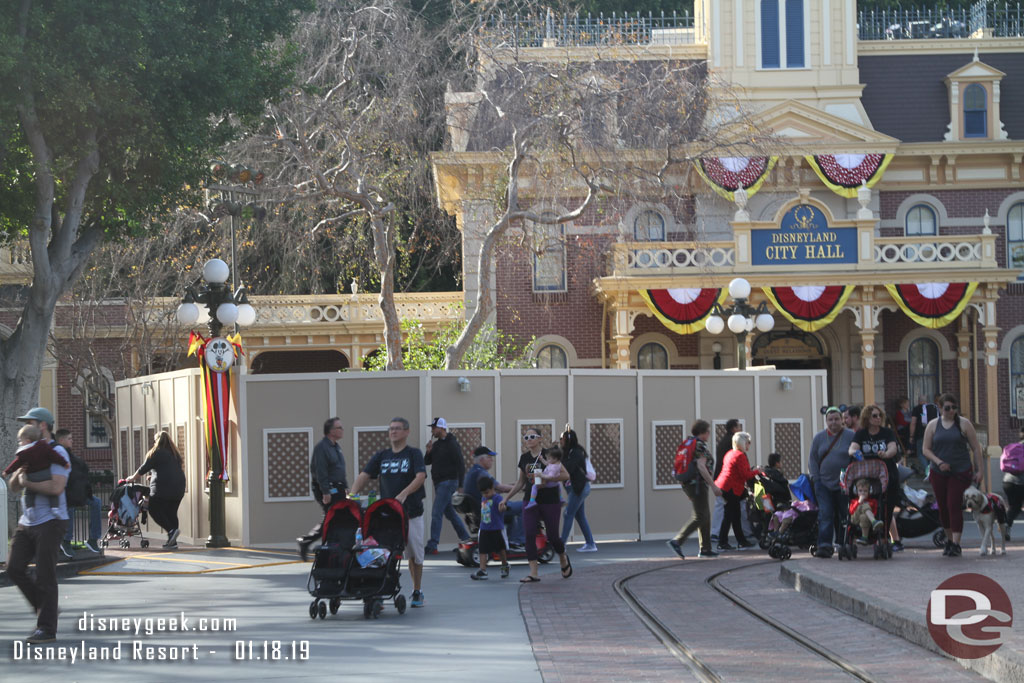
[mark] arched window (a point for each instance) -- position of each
(923, 368)
(552, 356)
(921, 221)
(1015, 236)
(649, 226)
(975, 111)
(1016, 375)
(652, 356)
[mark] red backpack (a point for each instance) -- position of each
(685, 466)
(1012, 459)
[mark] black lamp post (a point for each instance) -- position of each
(742, 318)
(222, 307)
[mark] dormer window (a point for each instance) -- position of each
(975, 111)
(783, 44)
(649, 226)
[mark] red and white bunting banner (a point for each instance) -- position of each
(725, 175)
(221, 352)
(845, 173)
(933, 304)
(682, 310)
(810, 307)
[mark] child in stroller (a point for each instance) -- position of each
(865, 482)
(129, 504)
(360, 558)
(789, 522)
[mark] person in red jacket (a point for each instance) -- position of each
(732, 480)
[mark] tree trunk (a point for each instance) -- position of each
(384, 255)
(457, 351)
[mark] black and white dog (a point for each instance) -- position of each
(989, 511)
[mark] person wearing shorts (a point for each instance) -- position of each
(401, 472)
(492, 539)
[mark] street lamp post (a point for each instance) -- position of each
(742, 318)
(209, 299)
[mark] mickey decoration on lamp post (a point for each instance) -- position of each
(217, 356)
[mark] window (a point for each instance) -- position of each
(921, 220)
(652, 356)
(552, 356)
(782, 34)
(975, 111)
(649, 226)
(923, 367)
(549, 257)
(1015, 236)
(1017, 377)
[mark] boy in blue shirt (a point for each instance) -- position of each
(492, 530)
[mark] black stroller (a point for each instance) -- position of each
(919, 518)
(368, 572)
(771, 493)
(875, 472)
(129, 507)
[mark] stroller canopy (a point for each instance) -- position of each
(385, 522)
(342, 517)
(872, 468)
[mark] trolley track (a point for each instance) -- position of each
(691, 659)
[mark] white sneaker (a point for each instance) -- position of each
(587, 548)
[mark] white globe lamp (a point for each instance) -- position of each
(714, 324)
(246, 315)
(737, 323)
(216, 271)
(227, 313)
(188, 313)
(765, 322)
(739, 288)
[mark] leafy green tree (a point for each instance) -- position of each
(490, 350)
(109, 112)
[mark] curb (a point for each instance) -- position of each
(1002, 665)
(65, 569)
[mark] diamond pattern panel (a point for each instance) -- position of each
(666, 440)
(135, 459)
(288, 464)
(124, 455)
(150, 438)
(179, 441)
(787, 444)
(368, 443)
(469, 438)
(605, 452)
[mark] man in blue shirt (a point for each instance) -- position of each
(483, 461)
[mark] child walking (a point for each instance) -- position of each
(492, 530)
(546, 477)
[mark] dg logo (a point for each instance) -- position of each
(969, 616)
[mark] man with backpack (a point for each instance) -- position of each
(692, 471)
(79, 493)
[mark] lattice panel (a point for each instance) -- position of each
(368, 443)
(179, 441)
(124, 455)
(720, 434)
(666, 440)
(605, 452)
(787, 444)
(135, 459)
(545, 434)
(469, 438)
(150, 437)
(288, 464)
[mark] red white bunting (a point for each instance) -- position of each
(810, 307)
(933, 304)
(682, 310)
(845, 173)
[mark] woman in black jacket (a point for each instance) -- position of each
(166, 487)
(575, 461)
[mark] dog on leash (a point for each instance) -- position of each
(989, 511)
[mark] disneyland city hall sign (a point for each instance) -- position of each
(803, 238)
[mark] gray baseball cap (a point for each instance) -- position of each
(40, 414)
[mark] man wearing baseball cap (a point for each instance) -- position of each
(40, 530)
(448, 468)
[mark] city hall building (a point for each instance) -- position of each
(886, 238)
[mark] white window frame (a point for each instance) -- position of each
(654, 454)
(622, 450)
(783, 39)
(774, 449)
(266, 463)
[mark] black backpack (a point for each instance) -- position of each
(78, 488)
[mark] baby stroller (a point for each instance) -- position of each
(128, 512)
(772, 494)
(370, 571)
(875, 472)
(919, 515)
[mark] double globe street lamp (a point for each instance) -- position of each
(741, 318)
(210, 300)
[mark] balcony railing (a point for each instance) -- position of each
(575, 30)
(984, 19)
(345, 308)
(650, 258)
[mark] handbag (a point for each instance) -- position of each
(591, 474)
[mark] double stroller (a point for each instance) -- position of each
(129, 508)
(771, 495)
(367, 571)
(874, 472)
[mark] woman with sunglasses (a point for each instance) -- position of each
(875, 440)
(548, 507)
(949, 441)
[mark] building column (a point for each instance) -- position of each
(623, 336)
(867, 357)
(963, 360)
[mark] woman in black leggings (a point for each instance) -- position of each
(166, 487)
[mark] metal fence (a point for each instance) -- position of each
(551, 30)
(102, 487)
(1002, 20)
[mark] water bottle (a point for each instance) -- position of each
(372, 498)
(359, 536)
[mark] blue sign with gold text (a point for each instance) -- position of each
(803, 238)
